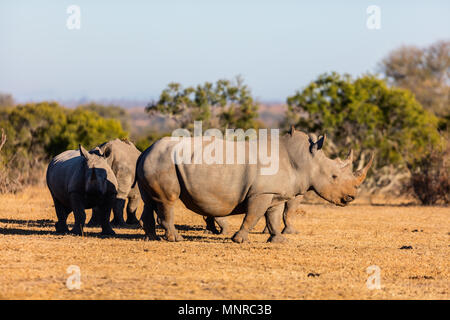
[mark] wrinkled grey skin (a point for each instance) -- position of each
(226, 189)
(290, 210)
(121, 156)
(79, 180)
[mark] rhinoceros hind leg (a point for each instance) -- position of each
(273, 218)
(289, 230)
(77, 231)
(211, 225)
(289, 214)
(118, 224)
(95, 220)
(108, 232)
(61, 228)
(223, 224)
(148, 223)
(105, 212)
(165, 213)
(278, 238)
(257, 206)
(131, 211)
(240, 237)
(61, 212)
(266, 228)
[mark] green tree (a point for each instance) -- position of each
(365, 114)
(89, 129)
(110, 112)
(225, 103)
(424, 71)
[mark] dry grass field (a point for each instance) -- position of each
(326, 260)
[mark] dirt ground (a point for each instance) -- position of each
(328, 259)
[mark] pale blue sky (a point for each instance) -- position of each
(132, 49)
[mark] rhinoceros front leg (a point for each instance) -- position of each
(77, 204)
(118, 207)
(165, 214)
(273, 215)
(223, 224)
(221, 221)
(257, 206)
(211, 225)
(289, 213)
(61, 213)
(95, 220)
(148, 222)
(105, 212)
(131, 210)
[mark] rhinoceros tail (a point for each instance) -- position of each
(138, 161)
(135, 170)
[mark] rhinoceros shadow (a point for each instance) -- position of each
(20, 227)
(24, 232)
(184, 227)
(42, 223)
(14, 228)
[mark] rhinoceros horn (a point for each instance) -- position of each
(360, 175)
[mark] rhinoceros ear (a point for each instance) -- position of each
(83, 152)
(107, 152)
(316, 146)
(97, 151)
(292, 130)
(312, 138)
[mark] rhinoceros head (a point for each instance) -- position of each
(334, 180)
(97, 172)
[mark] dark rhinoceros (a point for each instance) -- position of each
(79, 180)
(220, 190)
(121, 155)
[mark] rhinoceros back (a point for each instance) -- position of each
(64, 175)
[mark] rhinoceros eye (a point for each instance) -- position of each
(334, 177)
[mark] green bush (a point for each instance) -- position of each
(110, 112)
(143, 143)
(90, 129)
(366, 115)
(38, 131)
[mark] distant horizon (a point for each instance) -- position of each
(132, 51)
(122, 102)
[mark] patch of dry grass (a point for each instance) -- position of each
(336, 243)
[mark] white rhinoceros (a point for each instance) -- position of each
(121, 155)
(79, 180)
(219, 190)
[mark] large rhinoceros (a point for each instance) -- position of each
(79, 180)
(121, 156)
(219, 190)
